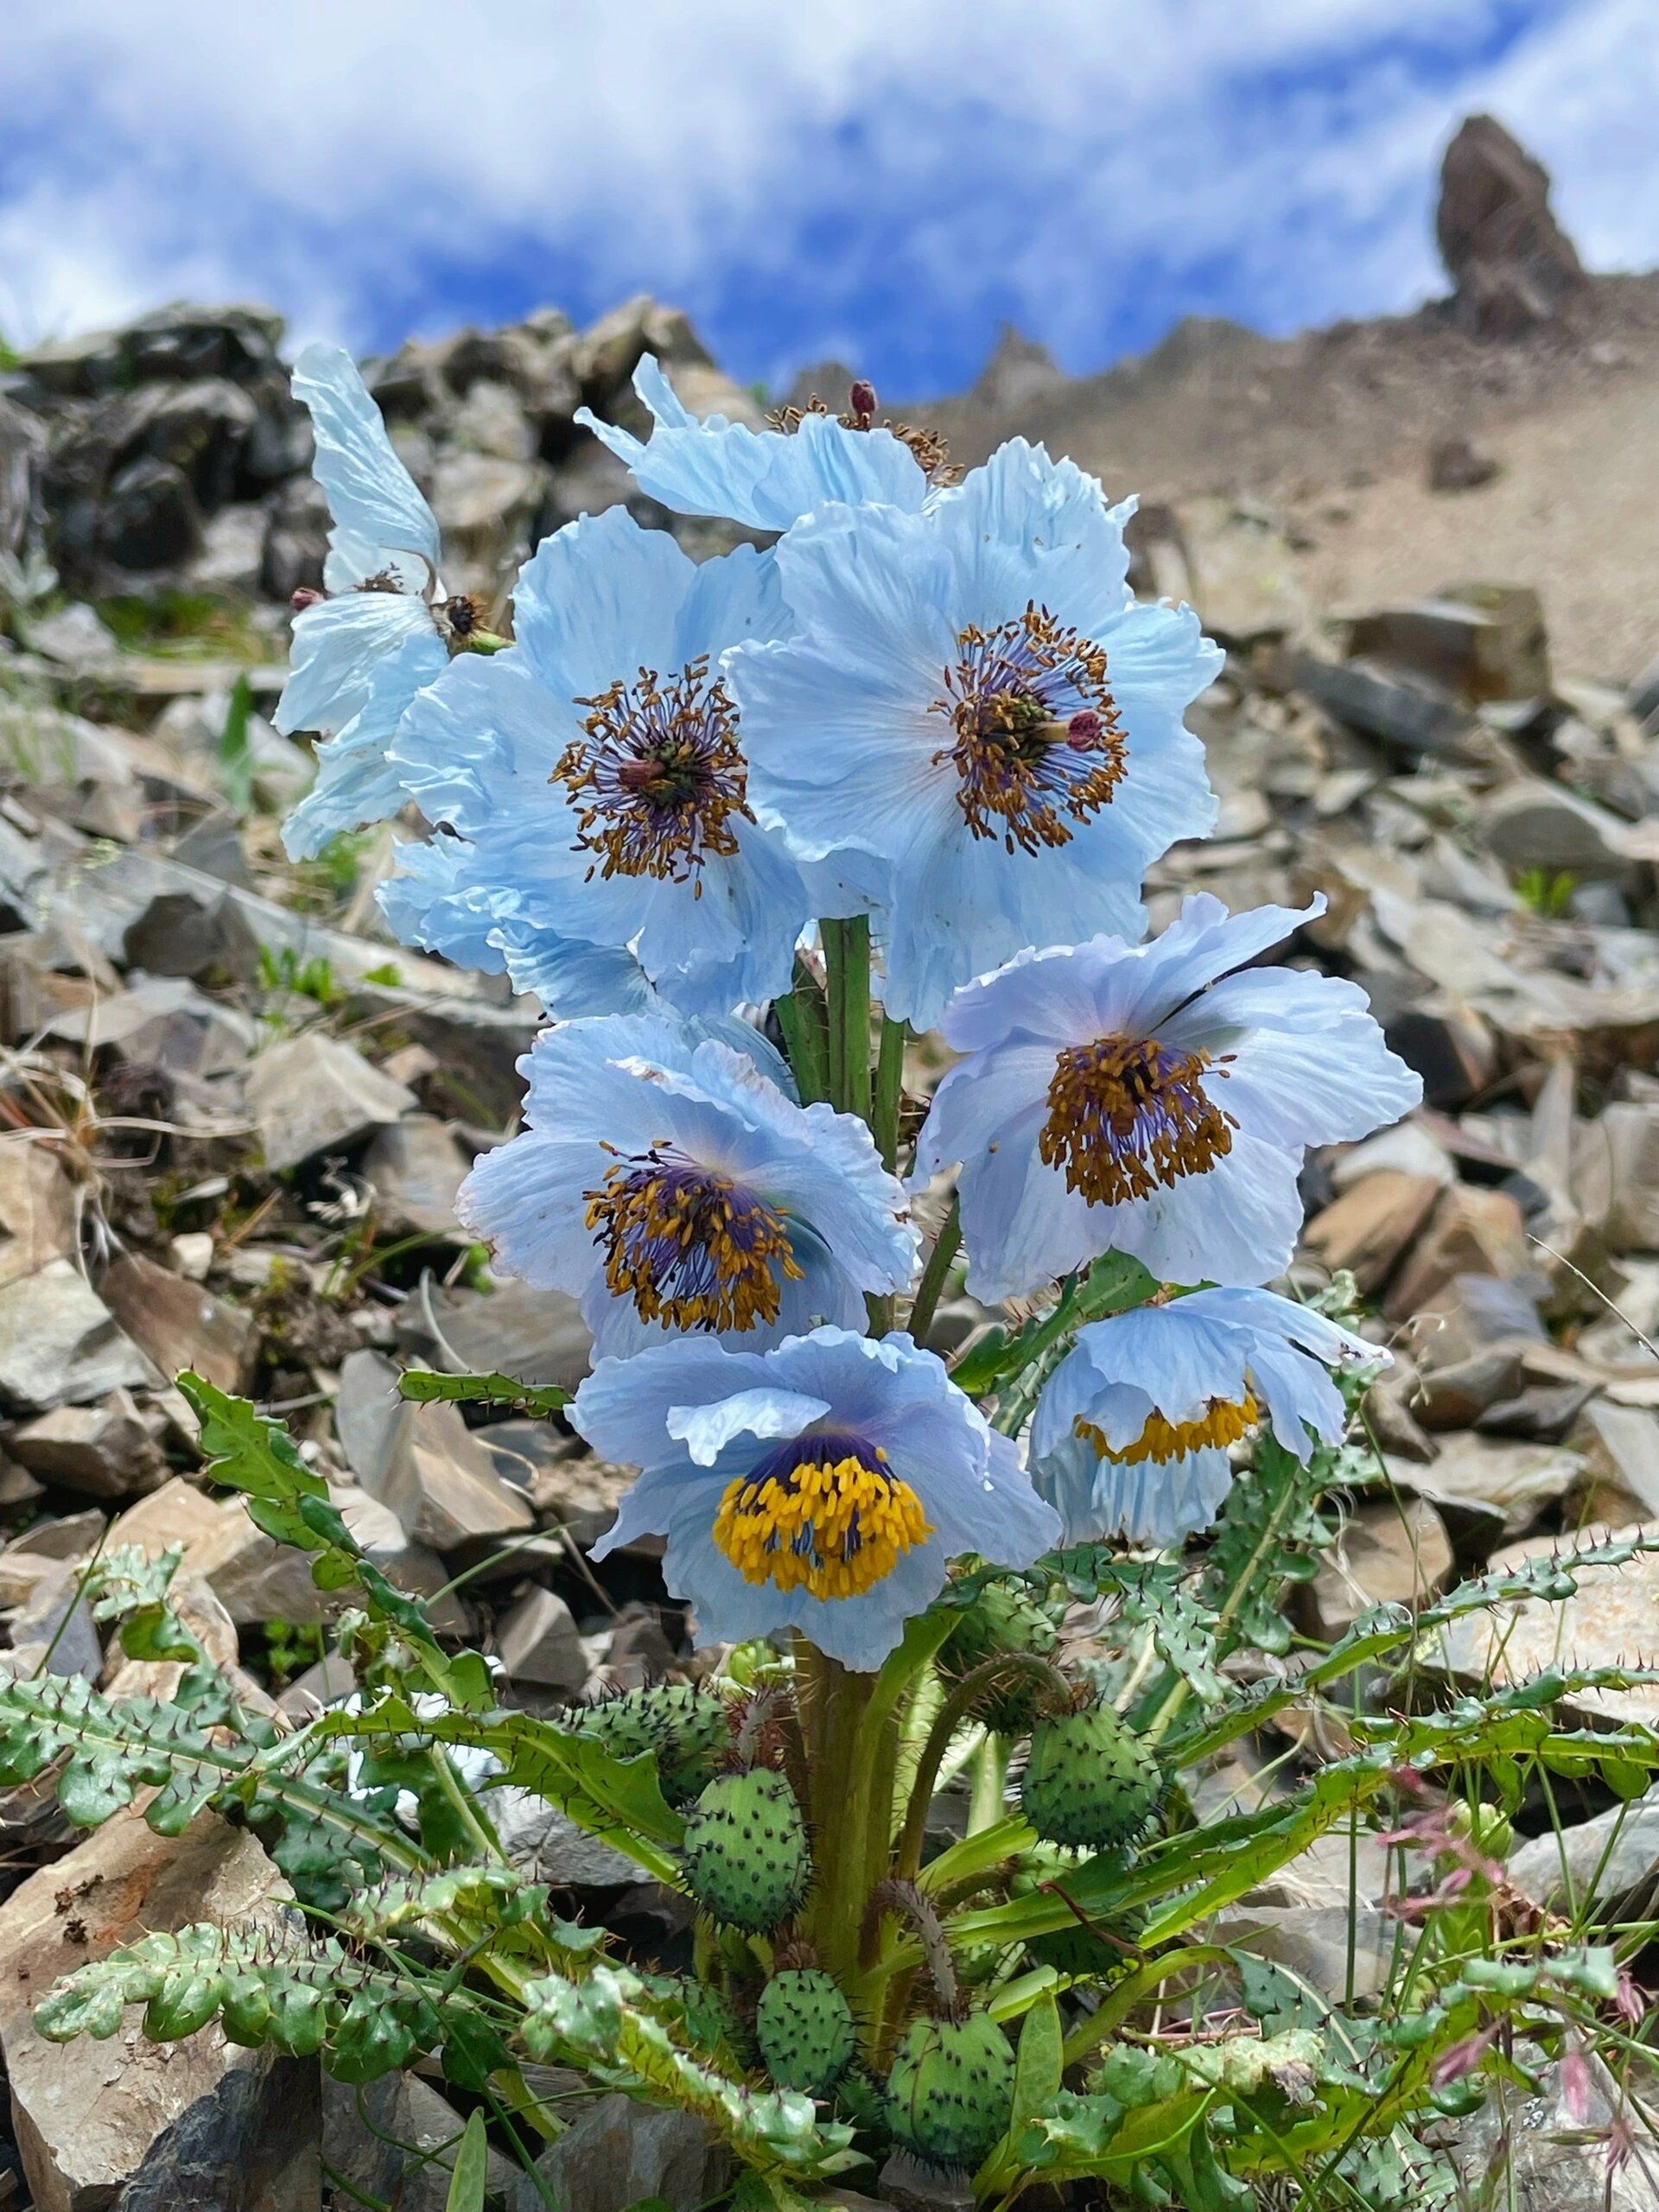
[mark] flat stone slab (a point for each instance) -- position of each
(59, 1345)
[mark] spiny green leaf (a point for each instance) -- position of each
(247, 1452)
(424, 1387)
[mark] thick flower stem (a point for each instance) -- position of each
(846, 962)
(889, 1091)
(804, 1022)
(1006, 1667)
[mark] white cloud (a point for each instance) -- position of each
(355, 158)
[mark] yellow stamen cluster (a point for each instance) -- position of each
(1222, 1422)
(835, 1529)
(1125, 1116)
(690, 1249)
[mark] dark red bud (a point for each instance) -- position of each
(637, 775)
(861, 398)
(1082, 731)
(305, 597)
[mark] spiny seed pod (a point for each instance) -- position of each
(1090, 1782)
(950, 2093)
(1002, 1618)
(686, 1727)
(804, 2028)
(744, 1855)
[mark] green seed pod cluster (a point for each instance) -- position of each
(687, 1728)
(1090, 1782)
(950, 2092)
(1004, 1618)
(744, 1855)
(804, 2026)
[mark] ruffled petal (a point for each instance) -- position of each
(356, 782)
(371, 496)
(706, 1431)
(339, 647)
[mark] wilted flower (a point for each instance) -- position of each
(975, 721)
(670, 1185)
(764, 479)
(596, 769)
(1131, 1433)
(361, 655)
(822, 1485)
(1122, 1096)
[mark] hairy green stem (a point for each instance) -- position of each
(889, 1090)
(805, 1024)
(846, 962)
(936, 1272)
(1005, 1667)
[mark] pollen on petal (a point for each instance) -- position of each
(692, 1249)
(825, 1513)
(1127, 1115)
(1223, 1421)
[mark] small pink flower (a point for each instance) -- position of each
(1462, 2058)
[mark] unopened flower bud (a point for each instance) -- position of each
(304, 597)
(1575, 2085)
(1082, 731)
(861, 398)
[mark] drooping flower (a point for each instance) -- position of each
(763, 479)
(361, 655)
(1131, 1433)
(669, 1182)
(597, 772)
(823, 1484)
(1144, 1098)
(974, 720)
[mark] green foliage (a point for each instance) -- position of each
(282, 969)
(425, 1387)
(1547, 891)
(235, 759)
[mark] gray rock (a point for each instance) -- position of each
(37, 1211)
(550, 1847)
(214, 845)
(179, 934)
(73, 1536)
(1492, 1480)
(54, 1627)
(906, 2183)
(421, 1461)
(539, 1643)
(102, 1451)
(60, 1344)
(1387, 1554)
(1457, 464)
(1616, 1173)
(163, 1021)
(417, 1166)
(179, 1324)
(1512, 264)
(1533, 823)
(151, 519)
(392, 2139)
(1411, 714)
(1530, 2154)
(195, 2127)
(537, 1335)
(620, 2151)
(567, 1485)
(312, 1093)
(1613, 1858)
(1621, 1448)
(1312, 1942)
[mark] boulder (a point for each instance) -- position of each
(1512, 265)
(179, 1324)
(620, 2151)
(37, 1211)
(60, 1344)
(102, 1451)
(539, 1644)
(423, 1461)
(311, 1093)
(1388, 1554)
(200, 2125)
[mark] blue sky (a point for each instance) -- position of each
(883, 180)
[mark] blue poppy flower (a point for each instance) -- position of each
(973, 710)
(669, 1182)
(822, 1485)
(442, 899)
(763, 479)
(361, 655)
(597, 771)
(1131, 1433)
(1143, 1098)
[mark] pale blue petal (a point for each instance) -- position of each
(356, 783)
(371, 496)
(432, 902)
(764, 479)
(706, 1431)
(339, 646)
(600, 600)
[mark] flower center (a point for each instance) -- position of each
(822, 1513)
(1221, 1422)
(1125, 1114)
(1039, 744)
(691, 1249)
(658, 775)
